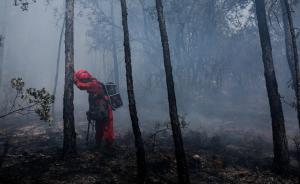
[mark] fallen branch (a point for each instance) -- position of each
(17, 110)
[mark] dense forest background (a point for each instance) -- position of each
(214, 46)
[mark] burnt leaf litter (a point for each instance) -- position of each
(31, 153)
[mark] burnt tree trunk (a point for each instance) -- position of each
(291, 50)
(182, 168)
(57, 67)
(139, 144)
(280, 145)
(69, 144)
(114, 47)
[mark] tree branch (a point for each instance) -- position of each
(17, 110)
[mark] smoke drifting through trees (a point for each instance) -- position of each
(214, 46)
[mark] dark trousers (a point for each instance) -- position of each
(99, 128)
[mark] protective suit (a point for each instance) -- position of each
(100, 109)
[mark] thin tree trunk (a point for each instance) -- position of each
(139, 144)
(291, 50)
(104, 65)
(145, 22)
(69, 145)
(2, 39)
(57, 68)
(145, 30)
(280, 144)
(114, 49)
(146, 55)
(182, 168)
(288, 42)
(3, 14)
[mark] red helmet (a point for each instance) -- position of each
(82, 75)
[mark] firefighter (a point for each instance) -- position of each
(100, 109)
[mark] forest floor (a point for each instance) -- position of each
(32, 155)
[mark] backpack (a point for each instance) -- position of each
(111, 91)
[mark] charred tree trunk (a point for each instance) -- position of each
(280, 145)
(57, 67)
(114, 47)
(291, 50)
(139, 144)
(182, 168)
(69, 145)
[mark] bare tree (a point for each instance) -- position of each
(182, 169)
(114, 47)
(280, 144)
(139, 144)
(1, 56)
(69, 144)
(57, 66)
(291, 50)
(3, 12)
